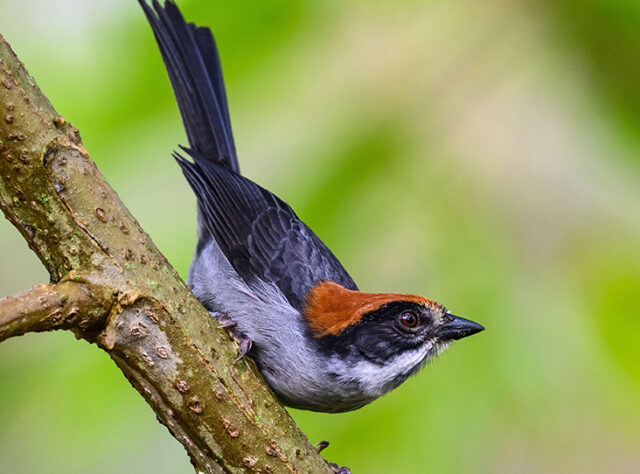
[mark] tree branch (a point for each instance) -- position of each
(118, 290)
(68, 305)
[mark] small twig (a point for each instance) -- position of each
(68, 305)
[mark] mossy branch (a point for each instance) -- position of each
(111, 285)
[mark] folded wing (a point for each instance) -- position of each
(260, 234)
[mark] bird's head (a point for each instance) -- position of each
(399, 333)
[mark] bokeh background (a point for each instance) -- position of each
(485, 154)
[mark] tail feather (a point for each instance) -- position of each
(193, 64)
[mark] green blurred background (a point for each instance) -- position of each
(484, 154)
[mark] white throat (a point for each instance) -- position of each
(376, 380)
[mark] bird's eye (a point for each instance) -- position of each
(409, 319)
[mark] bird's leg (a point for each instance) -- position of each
(231, 326)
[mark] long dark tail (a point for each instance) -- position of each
(191, 58)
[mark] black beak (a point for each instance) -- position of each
(455, 328)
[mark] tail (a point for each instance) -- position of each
(191, 58)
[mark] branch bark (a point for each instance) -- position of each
(69, 305)
(111, 285)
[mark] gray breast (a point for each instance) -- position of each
(286, 355)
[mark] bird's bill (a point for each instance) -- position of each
(457, 328)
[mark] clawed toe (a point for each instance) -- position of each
(224, 319)
(339, 470)
(226, 322)
(321, 446)
(245, 345)
(334, 467)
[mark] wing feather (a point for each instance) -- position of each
(193, 65)
(260, 234)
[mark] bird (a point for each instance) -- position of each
(319, 342)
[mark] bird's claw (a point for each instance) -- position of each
(334, 467)
(339, 470)
(321, 446)
(224, 319)
(245, 345)
(230, 325)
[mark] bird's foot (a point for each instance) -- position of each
(321, 445)
(339, 470)
(224, 319)
(245, 345)
(334, 467)
(244, 342)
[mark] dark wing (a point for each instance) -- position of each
(191, 58)
(260, 234)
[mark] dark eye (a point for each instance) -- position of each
(409, 319)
